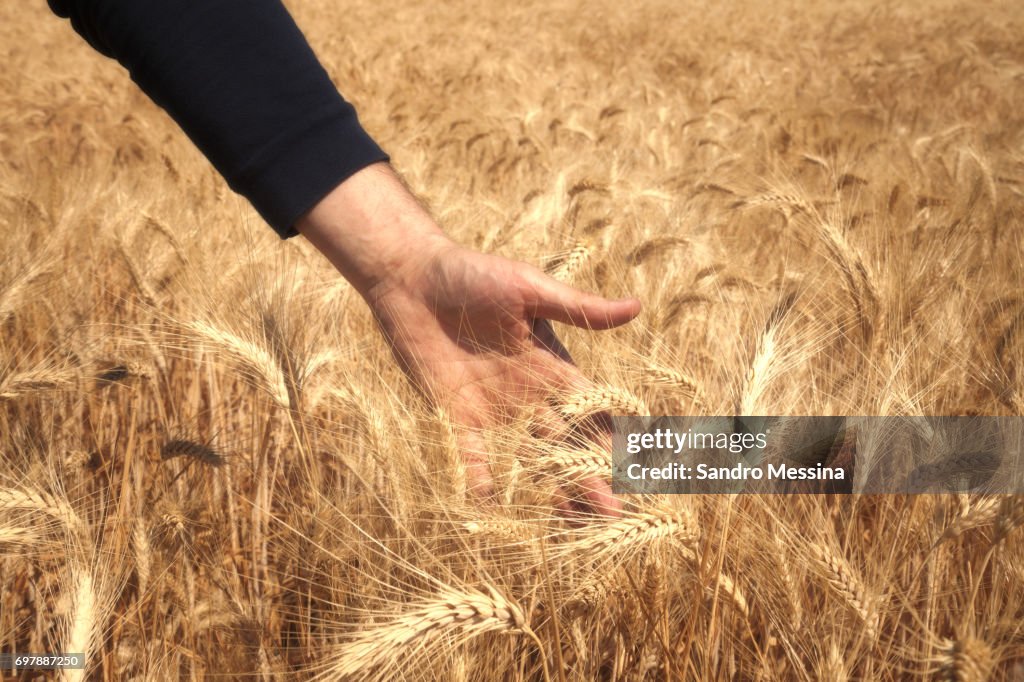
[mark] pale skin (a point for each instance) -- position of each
(470, 330)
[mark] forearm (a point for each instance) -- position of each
(372, 228)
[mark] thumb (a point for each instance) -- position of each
(552, 300)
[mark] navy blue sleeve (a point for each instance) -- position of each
(240, 79)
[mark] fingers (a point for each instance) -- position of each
(592, 495)
(577, 499)
(546, 425)
(597, 497)
(593, 431)
(473, 449)
(560, 375)
(553, 300)
(468, 419)
(587, 498)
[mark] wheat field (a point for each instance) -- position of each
(210, 467)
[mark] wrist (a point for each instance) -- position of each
(373, 230)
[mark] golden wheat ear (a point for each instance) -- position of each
(966, 659)
(45, 504)
(581, 403)
(254, 359)
(458, 614)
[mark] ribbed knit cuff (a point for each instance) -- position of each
(304, 169)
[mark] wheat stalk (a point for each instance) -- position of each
(1011, 517)
(652, 247)
(589, 596)
(764, 365)
(13, 293)
(114, 372)
(16, 535)
(785, 573)
(168, 234)
(859, 283)
(507, 530)
(723, 582)
(40, 379)
(688, 385)
(629, 533)
(576, 463)
(82, 624)
(315, 363)
(258, 362)
(653, 586)
(565, 268)
(147, 292)
(728, 587)
(981, 513)
(143, 554)
(179, 447)
(13, 499)
(967, 659)
(586, 402)
(785, 201)
(832, 667)
(844, 581)
(454, 614)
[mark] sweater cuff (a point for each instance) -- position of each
(306, 168)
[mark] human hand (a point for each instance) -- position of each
(470, 330)
(472, 333)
